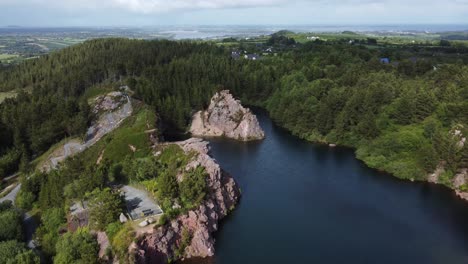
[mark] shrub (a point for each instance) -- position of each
(446, 178)
(122, 241)
(185, 239)
(163, 219)
(112, 229)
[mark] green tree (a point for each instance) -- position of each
(52, 220)
(193, 187)
(14, 252)
(10, 222)
(104, 207)
(79, 247)
(25, 257)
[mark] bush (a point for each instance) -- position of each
(163, 219)
(186, 238)
(112, 229)
(122, 241)
(446, 178)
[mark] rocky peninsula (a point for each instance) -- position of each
(168, 242)
(226, 117)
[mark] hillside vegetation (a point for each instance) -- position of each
(401, 115)
(397, 115)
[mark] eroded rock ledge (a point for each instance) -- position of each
(223, 194)
(226, 117)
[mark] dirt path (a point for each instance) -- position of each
(12, 195)
(105, 124)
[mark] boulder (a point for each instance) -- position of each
(434, 177)
(226, 117)
(122, 218)
(144, 223)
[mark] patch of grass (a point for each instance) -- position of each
(121, 241)
(5, 56)
(97, 90)
(173, 154)
(116, 145)
(5, 95)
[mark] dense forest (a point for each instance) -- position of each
(321, 91)
(404, 114)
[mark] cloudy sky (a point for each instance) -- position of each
(223, 12)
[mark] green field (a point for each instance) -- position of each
(4, 56)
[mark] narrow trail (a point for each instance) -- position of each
(104, 125)
(11, 196)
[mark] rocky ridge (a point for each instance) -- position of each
(226, 116)
(161, 244)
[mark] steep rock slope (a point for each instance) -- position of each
(226, 117)
(167, 242)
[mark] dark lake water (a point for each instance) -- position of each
(306, 203)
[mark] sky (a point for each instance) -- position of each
(230, 12)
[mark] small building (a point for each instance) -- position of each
(252, 57)
(235, 54)
(385, 60)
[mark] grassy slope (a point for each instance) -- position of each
(132, 132)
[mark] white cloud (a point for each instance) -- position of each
(343, 10)
(143, 6)
(149, 6)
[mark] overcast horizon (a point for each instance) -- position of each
(141, 13)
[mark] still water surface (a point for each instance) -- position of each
(305, 203)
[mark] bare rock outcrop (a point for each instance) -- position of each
(226, 117)
(434, 177)
(162, 243)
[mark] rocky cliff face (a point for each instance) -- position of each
(162, 243)
(459, 182)
(226, 117)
